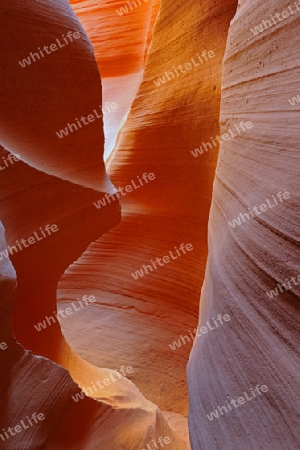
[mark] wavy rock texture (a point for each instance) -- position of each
(136, 320)
(95, 252)
(43, 189)
(258, 345)
(39, 268)
(120, 38)
(38, 385)
(120, 43)
(58, 102)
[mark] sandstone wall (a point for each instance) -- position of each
(165, 123)
(51, 185)
(258, 346)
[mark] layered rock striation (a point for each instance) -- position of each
(165, 124)
(256, 254)
(137, 248)
(121, 33)
(41, 191)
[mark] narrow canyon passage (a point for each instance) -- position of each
(120, 45)
(141, 236)
(155, 218)
(152, 211)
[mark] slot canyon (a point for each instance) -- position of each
(149, 225)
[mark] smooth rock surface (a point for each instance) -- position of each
(36, 193)
(139, 319)
(258, 346)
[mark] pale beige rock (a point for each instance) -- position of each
(260, 343)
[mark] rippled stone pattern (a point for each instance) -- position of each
(258, 346)
(51, 185)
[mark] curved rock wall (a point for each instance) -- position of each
(121, 33)
(44, 189)
(165, 124)
(258, 345)
(31, 129)
(242, 369)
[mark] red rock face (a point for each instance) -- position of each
(36, 191)
(142, 257)
(165, 123)
(57, 102)
(120, 32)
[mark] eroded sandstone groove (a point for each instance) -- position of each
(44, 188)
(166, 154)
